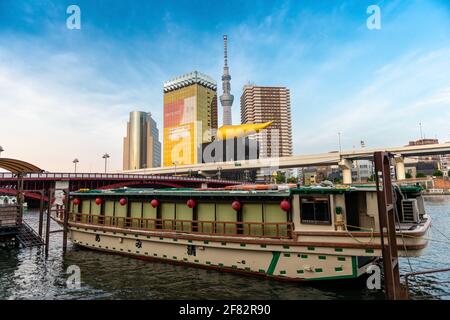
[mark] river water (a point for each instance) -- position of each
(26, 274)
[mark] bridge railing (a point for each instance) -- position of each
(109, 176)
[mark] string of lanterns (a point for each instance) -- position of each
(285, 205)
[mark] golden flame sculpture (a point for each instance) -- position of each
(241, 130)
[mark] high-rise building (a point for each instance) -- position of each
(141, 146)
(190, 117)
(263, 104)
(226, 99)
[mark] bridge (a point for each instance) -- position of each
(47, 180)
(343, 159)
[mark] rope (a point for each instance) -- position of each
(442, 234)
(357, 240)
(431, 260)
(429, 239)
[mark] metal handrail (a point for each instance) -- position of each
(419, 273)
(258, 229)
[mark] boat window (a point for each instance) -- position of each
(315, 210)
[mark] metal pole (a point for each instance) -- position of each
(340, 148)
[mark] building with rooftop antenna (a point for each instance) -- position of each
(226, 99)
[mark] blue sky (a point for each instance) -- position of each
(67, 93)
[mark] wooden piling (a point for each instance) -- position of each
(47, 229)
(41, 213)
(66, 219)
(388, 235)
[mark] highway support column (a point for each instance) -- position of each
(346, 167)
(399, 167)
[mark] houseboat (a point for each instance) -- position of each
(296, 233)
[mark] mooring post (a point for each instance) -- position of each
(20, 197)
(41, 213)
(66, 219)
(47, 229)
(387, 226)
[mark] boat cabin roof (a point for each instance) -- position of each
(235, 193)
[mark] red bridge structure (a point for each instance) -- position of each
(36, 179)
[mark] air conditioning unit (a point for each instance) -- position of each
(410, 211)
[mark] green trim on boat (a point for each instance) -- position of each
(273, 262)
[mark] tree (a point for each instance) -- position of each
(280, 177)
(408, 175)
(337, 181)
(292, 180)
(438, 173)
(420, 175)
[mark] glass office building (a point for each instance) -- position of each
(141, 146)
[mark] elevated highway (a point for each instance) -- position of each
(332, 158)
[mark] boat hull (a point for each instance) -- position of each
(283, 262)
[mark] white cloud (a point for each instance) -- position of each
(60, 108)
(386, 111)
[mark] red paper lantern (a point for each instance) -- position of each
(154, 203)
(98, 201)
(123, 201)
(236, 205)
(76, 201)
(190, 203)
(285, 205)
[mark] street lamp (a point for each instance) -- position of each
(340, 147)
(1, 150)
(175, 164)
(75, 161)
(105, 156)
